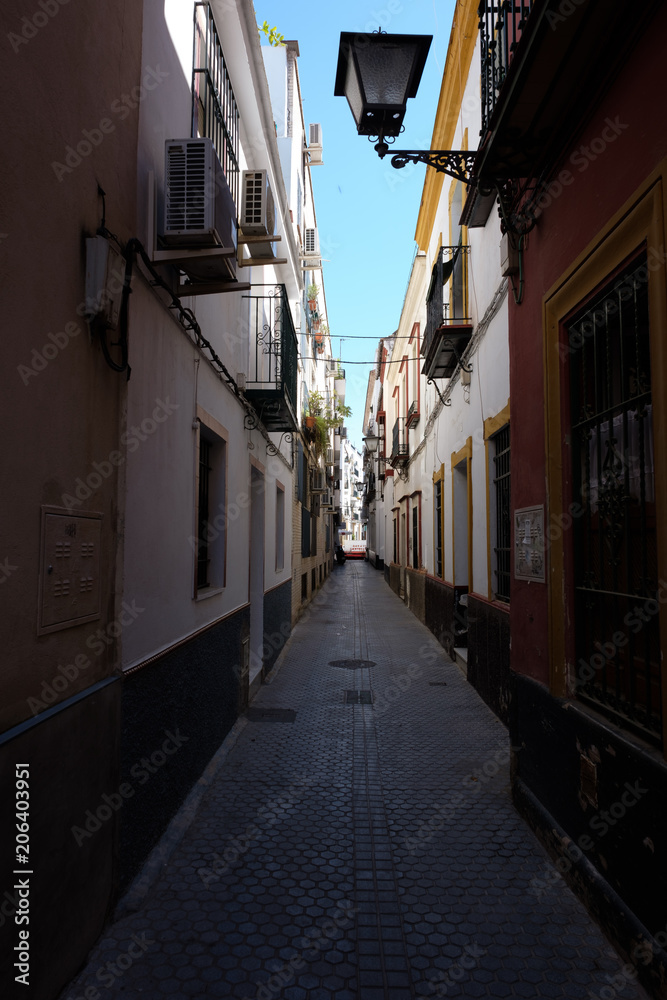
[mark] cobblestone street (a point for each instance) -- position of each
(355, 838)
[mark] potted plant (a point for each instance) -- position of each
(311, 294)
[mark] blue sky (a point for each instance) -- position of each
(366, 209)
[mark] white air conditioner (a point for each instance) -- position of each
(199, 211)
(327, 500)
(311, 242)
(318, 481)
(315, 145)
(330, 456)
(258, 213)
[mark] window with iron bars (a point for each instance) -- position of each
(437, 493)
(215, 114)
(614, 551)
(503, 520)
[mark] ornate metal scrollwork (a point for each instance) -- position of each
(273, 449)
(455, 162)
(445, 402)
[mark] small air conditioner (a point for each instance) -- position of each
(327, 500)
(258, 213)
(318, 481)
(311, 242)
(315, 145)
(199, 211)
(330, 456)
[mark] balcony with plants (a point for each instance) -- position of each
(323, 415)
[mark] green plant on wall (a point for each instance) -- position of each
(328, 415)
(271, 33)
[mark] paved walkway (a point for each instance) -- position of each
(346, 851)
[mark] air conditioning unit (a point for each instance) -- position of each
(258, 213)
(315, 145)
(330, 456)
(199, 211)
(311, 242)
(318, 481)
(328, 500)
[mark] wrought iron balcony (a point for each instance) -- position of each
(413, 414)
(400, 451)
(501, 25)
(536, 62)
(271, 384)
(448, 328)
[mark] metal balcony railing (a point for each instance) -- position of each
(452, 263)
(501, 24)
(399, 447)
(271, 384)
(215, 114)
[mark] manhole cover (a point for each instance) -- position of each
(352, 664)
(358, 698)
(271, 714)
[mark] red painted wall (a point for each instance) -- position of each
(601, 181)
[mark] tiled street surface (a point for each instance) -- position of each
(352, 850)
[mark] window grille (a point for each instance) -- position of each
(215, 114)
(203, 560)
(502, 550)
(438, 527)
(614, 535)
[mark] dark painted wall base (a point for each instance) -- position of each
(176, 713)
(375, 560)
(489, 655)
(277, 623)
(595, 797)
(72, 753)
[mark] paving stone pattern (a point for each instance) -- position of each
(356, 850)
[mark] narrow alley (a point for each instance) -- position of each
(354, 837)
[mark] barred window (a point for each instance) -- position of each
(614, 535)
(503, 518)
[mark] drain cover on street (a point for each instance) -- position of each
(358, 698)
(271, 714)
(352, 664)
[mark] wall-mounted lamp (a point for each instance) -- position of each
(371, 442)
(377, 73)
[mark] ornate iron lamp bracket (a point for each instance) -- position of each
(455, 162)
(445, 402)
